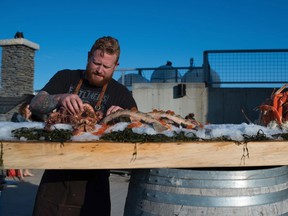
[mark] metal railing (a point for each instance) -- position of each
(221, 68)
(246, 68)
(128, 76)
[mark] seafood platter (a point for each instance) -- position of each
(129, 139)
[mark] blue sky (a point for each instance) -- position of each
(150, 32)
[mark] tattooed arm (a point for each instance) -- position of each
(44, 103)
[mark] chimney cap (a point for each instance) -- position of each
(19, 41)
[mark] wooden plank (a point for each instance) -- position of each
(107, 155)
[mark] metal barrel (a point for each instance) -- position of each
(233, 191)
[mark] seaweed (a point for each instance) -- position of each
(127, 135)
(56, 135)
(260, 136)
(284, 136)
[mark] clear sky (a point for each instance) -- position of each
(150, 32)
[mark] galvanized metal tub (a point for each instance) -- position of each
(235, 191)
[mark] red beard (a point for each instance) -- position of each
(95, 81)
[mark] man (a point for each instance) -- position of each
(81, 192)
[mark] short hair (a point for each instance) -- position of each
(107, 44)
(22, 108)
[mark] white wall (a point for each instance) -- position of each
(151, 96)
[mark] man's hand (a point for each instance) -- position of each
(44, 103)
(113, 109)
(71, 102)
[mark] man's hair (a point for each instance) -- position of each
(107, 44)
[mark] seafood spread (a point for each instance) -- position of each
(158, 119)
(83, 122)
(86, 121)
(275, 108)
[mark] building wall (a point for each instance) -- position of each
(161, 96)
(210, 105)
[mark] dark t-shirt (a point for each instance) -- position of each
(65, 81)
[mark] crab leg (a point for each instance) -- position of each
(277, 116)
(134, 116)
(279, 99)
(281, 89)
(175, 118)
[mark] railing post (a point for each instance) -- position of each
(206, 69)
(123, 77)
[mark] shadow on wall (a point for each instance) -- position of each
(235, 105)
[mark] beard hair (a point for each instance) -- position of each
(98, 83)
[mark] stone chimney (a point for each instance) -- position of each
(17, 69)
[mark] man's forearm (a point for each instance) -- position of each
(44, 103)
